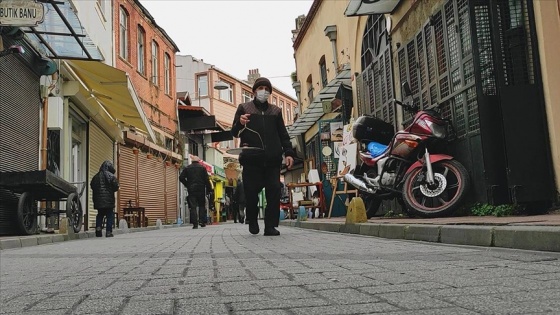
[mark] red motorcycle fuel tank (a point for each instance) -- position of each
(405, 143)
(421, 124)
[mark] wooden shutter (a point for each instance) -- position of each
(100, 149)
(20, 107)
(127, 179)
(151, 183)
(171, 185)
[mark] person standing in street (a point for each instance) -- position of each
(104, 184)
(260, 125)
(239, 207)
(196, 180)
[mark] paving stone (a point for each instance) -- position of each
(148, 307)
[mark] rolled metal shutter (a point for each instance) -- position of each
(171, 185)
(20, 107)
(100, 149)
(151, 183)
(127, 169)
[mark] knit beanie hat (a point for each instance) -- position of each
(262, 81)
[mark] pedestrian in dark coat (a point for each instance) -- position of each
(104, 185)
(259, 124)
(196, 179)
(239, 198)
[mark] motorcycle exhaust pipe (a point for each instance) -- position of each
(359, 184)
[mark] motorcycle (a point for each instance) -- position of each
(408, 165)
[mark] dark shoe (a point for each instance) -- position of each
(98, 233)
(195, 227)
(202, 224)
(254, 227)
(271, 232)
(109, 234)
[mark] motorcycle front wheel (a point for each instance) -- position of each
(441, 198)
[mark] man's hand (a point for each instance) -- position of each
(289, 162)
(244, 119)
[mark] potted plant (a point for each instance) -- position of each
(135, 150)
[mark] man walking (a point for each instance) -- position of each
(260, 125)
(239, 207)
(196, 180)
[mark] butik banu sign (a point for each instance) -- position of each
(21, 13)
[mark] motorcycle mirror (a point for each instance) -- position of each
(406, 89)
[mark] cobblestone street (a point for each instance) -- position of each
(222, 269)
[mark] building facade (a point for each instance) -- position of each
(84, 103)
(487, 64)
(148, 164)
(323, 84)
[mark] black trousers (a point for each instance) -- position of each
(238, 212)
(197, 208)
(255, 178)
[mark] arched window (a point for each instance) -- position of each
(141, 53)
(309, 83)
(123, 33)
(323, 68)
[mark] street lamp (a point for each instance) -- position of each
(221, 85)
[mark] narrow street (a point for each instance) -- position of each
(222, 269)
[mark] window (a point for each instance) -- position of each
(323, 68)
(202, 82)
(274, 100)
(309, 89)
(282, 106)
(141, 50)
(227, 94)
(123, 34)
(288, 114)
(167, 73)
(155, 69)
(247, 96)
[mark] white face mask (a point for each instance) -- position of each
(262, 95)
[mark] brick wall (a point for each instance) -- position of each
(158, 105)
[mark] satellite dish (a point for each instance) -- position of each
(327, 151)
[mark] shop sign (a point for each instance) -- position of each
(21, 13)
(220, 171)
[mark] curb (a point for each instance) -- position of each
(41, 239)
(541, 238)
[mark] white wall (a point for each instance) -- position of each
(97, 20)
(187, 66)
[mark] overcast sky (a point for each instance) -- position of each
(235, 35)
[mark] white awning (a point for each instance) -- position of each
(368, 7)
(314, 111)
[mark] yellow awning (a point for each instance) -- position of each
(113, 89)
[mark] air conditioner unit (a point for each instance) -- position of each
(55, 119)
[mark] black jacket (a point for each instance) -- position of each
(267, 121)
(104, 185)
(195, 178)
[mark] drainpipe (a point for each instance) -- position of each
(330, 32)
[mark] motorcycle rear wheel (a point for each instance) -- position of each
(452, 182)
